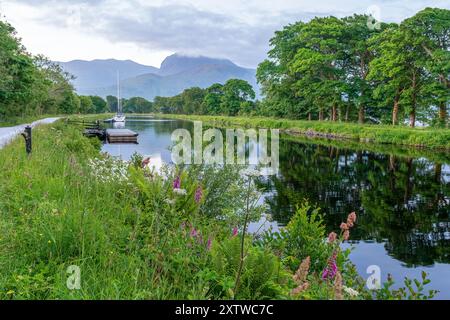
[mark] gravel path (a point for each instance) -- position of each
(9, 133)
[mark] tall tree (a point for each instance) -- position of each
(319, 64)
(236, 92)
(213, 99)
(398, 69)
(433, 25)
(86, 105)
(358, 56)
(100, 104)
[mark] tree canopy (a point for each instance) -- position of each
(345, 69)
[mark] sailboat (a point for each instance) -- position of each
(119, 117)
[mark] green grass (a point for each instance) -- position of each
(133, 238)
(431, 138)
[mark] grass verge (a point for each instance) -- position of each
(137, 234)
(431, 138)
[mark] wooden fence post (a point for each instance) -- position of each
(27, 136)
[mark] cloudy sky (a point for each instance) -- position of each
(148, 31)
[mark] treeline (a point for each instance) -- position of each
(357, 69)
(30, 85)
(232, 98)
(350, 69)
(33, 85)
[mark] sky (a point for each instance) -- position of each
(148, 31)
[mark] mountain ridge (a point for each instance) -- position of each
(177, 72)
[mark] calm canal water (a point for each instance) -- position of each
(402, 202)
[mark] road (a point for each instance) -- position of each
(9, 133)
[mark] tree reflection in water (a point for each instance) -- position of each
(404, 202)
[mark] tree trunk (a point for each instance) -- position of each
(309, 116)
(412, 118)
(320, 115)
(438, 172)
(409, 183)
(412, 114)
(346, 113)
(442, 113)
(395, 112)
(334, 113)
(361, 114)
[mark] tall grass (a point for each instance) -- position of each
(134, 235)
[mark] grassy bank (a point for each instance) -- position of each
(418, 137)
(137, 234)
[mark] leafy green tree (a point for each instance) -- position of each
(137, 105)
(281, 98)
(86, 105)
(112, 103)
(398, 69)
(192, 101)
(236, 92)
(20, 81)
(357, 59)
(432, 25)
(213, 98)
(61, 97)
(100, 105)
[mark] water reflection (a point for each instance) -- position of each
(403, 202)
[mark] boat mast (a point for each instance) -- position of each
(118, 94)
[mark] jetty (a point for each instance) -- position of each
(121, 136)
(94, 129)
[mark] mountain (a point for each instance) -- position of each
(177, 63)
(177, 72)
(102, 73)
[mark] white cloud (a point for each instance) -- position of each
(147, 32)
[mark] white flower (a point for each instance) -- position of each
(251, 172)
(181, 192)
(351, 292)
(170, 201)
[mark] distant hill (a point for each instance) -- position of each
(177, 72)
(102, 73)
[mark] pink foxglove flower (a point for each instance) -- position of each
(198, 194)
(331, 269)
(235, 231)
(343, 226)
(332, 237)
(177, 183)
(346, 235)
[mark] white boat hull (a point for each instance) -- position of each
(119, 119)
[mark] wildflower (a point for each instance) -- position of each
(343, 226)
(194, 232)
(251, 173)
(145, 162)
(346, 235)
(300, 288)
(170, 201)
(181, 192)
(352, 216)
(351, 292)
(235, 231)
(198, 194)
(208, 244)
(329, 272)
(338, 287)
(332, 237)
(177, 183)
(302, 272)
